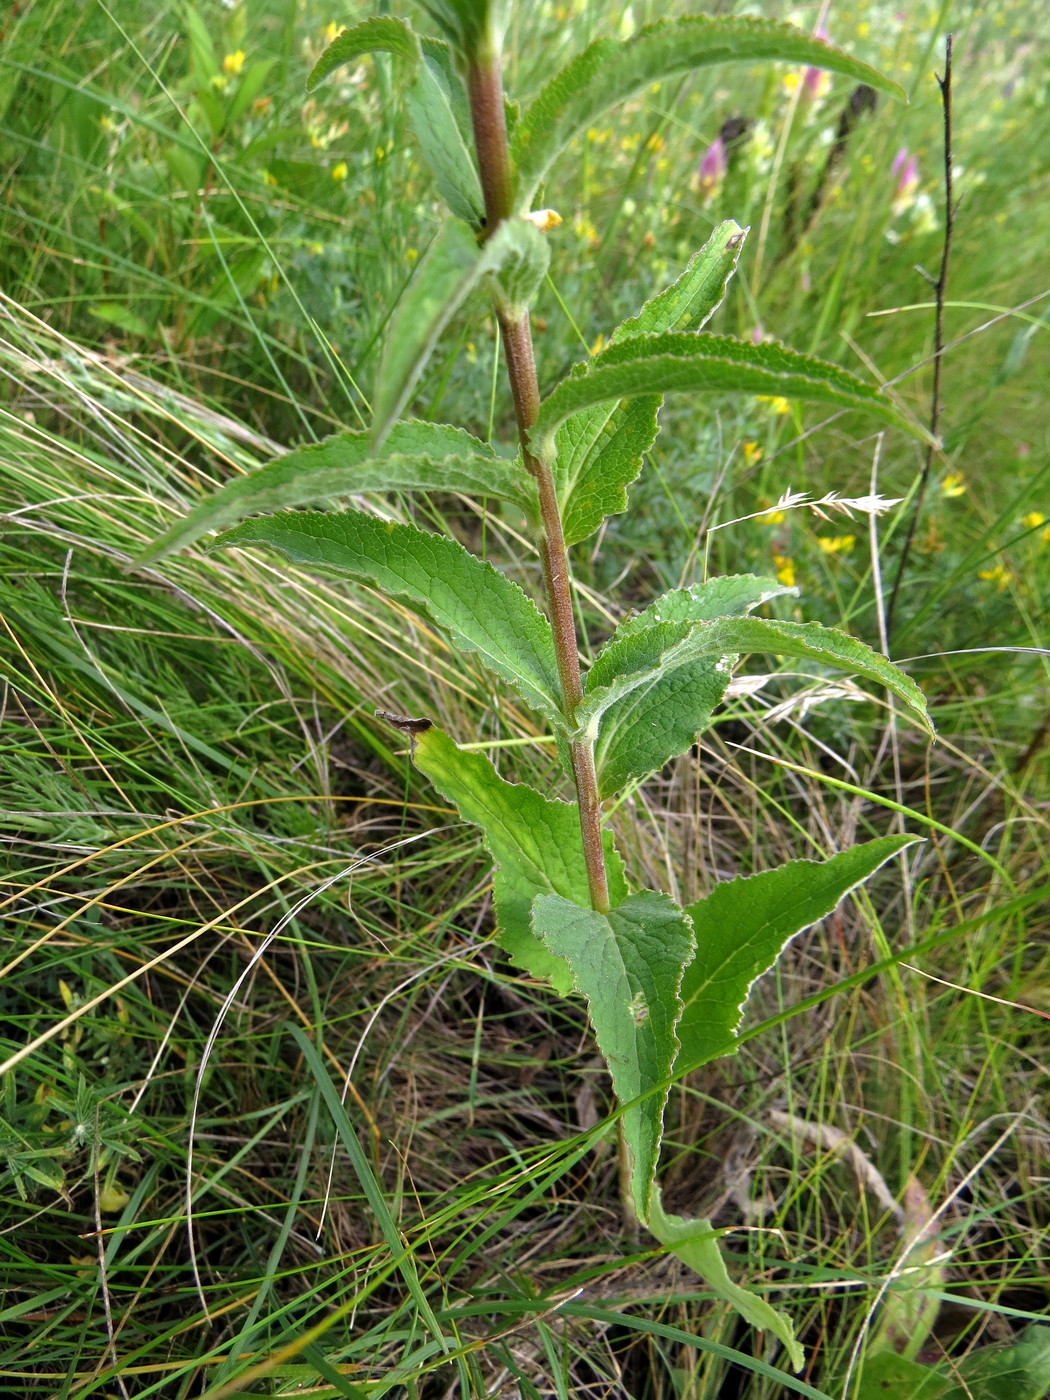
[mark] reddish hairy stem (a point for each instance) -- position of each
(485, 89)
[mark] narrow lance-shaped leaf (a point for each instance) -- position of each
(534, 842)
(453, 266)
(416, 457)
(697, 293)
(481, 608)
(382, 34)
(610, 70)
(671, 363)
(446, 274)
(430, 100)
(628, 964)
(600, 450)
(440, 140)
(658, 721)
(637, 659)
(696, 1244)
(743, 926)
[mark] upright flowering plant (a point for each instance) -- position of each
(664, 985)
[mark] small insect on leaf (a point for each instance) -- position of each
(405, 723)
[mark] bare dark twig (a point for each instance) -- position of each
(945, 85)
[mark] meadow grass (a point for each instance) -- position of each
(191, 763)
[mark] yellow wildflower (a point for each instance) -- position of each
(317, 249)
(340, 171)
(544, 219)
(999, 576)
(777, 404)
(412, 254)
(836, 544)
(598, 343)
(1033, 520)
(233, 63)
(331, 32)
(752, 454)
(785, 567)
(112, 1198)
(953, 485)
(380, 154)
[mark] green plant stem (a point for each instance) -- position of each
(485, 88)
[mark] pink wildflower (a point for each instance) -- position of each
(906, 169)
(713, 166)
(815, 81)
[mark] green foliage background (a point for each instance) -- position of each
(197, 264)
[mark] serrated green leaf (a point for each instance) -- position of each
(640, 732)
(434, 102)
(731, 595)
(482, 609)
(379, 35)
(743, 926)
(629, 663)
(669, 363)
(434, 125)
(448, 271)
(599, 452)
(610, 70)
(533, 840)
(453, 266)
(416, 457)
(697, 293)
(628, 964)
(524, 265)
(696, 1244)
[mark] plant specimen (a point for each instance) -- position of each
(665, 986)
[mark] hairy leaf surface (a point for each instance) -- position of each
(696, 1244)
(453, 266)
(730, 595)
(435, 102)
(481, 608)
(628, 663)
(416, 457)
(628, 964)
(697, 293)
(743, 926)
(600, 450)
(611, 70)
(379, 35)
(533, 840)
(658, 721)
(642, 364)
(447, 273)
(430, 110)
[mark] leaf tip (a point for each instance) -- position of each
(406, 724)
